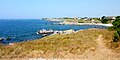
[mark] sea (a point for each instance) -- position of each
(20, 30)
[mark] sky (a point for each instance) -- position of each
(35, 9)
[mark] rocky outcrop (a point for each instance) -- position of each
(1, 39)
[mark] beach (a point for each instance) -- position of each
(74, 23)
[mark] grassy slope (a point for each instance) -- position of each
(58, 46)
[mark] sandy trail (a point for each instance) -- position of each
(101, 52)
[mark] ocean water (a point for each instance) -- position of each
(25, 29)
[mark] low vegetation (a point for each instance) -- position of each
(116, 28)
(58, 46)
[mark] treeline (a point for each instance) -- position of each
(106, 20)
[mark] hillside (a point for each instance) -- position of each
(85, 44)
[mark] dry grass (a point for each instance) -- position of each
(58, 46)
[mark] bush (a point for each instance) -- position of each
(118, 31)
(104, 21)
(81, 22)
(115, 44)
(116, 37)
(111, 28)
(116, 26)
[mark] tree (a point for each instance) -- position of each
(116, 23)
(104, 20)
(118, 18)
(103, 17)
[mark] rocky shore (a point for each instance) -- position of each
(44, 32)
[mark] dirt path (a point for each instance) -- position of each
(101, 52)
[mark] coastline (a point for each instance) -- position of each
(17, 35)
(43, 48)
(76, 23)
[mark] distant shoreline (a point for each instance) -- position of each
(61, 22)
(100, 24)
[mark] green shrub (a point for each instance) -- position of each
(116, 26)
(104, 21)
(118, 31)
(81, 22)
(116, 37)
(111, 28)
(115, 44)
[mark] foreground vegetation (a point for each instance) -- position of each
(116, 28)
(59, 46)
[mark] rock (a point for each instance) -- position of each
(93, 48)
(11, 43)
(1, 39)
(8, 38)
(44, 35)
(69, 31)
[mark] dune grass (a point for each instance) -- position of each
(57, 46)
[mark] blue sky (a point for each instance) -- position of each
(22, 9)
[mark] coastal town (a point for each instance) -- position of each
(103, 21)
